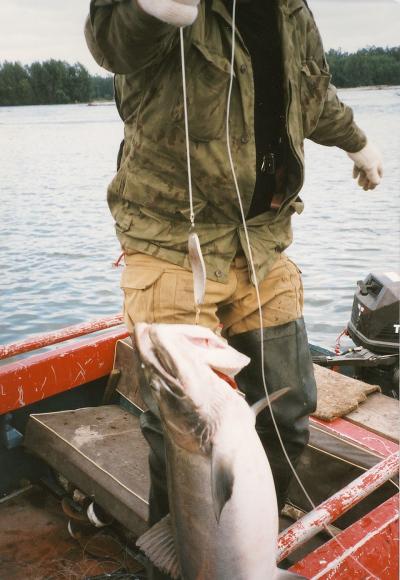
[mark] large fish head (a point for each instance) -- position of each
(181, 362)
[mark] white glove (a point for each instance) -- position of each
(176, 12)
(367, 166)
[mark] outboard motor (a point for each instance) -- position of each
(374, 320)
(374, 328)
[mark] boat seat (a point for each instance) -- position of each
(102, 452)
(101, 449)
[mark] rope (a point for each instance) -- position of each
(337, 343)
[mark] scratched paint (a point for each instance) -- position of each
(58, 370)
(331, 570)
(347, 431)
(21, 401)
(371, 543)
(37, 342)
(334, 507)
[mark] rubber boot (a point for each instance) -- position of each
(287, 363)
(158, 498)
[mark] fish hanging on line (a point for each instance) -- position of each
(223, 520)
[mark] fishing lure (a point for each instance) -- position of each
(198, 268)
(194, 248)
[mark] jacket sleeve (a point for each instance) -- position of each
(123, 39)
(336, 125)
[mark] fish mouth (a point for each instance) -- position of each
(158, 361)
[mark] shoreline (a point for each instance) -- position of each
(112, 102)
(369, 87)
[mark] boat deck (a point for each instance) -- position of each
(99, 450)
(35, 543)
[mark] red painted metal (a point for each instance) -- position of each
(357, 436)
(328, 511)
(43, 375)
(36, 342)
(369, 548)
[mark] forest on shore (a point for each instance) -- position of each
(364, 68)
(52, 82)
(58, 82)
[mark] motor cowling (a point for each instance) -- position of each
(374, 320)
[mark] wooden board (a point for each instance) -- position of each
(100, 450)
(379, 414)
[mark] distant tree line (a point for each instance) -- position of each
(366, 67)
(58, 82)
(51, 82)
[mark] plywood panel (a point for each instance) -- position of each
(102, 451)
(379, 414)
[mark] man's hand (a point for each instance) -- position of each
(176, 12)
(367, 166)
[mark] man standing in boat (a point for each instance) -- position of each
(281, 95)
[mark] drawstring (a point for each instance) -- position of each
(117, 263)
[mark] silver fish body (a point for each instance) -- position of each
(223, 507)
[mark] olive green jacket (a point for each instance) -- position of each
(149, 195)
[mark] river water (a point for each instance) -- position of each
(57, 240)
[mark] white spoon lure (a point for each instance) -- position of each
(198, 268)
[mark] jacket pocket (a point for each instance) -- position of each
(123, 220)
(207, 84)
(313, 89)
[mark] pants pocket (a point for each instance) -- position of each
(159, 293)
(138, 285)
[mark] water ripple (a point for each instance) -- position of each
(57, 238)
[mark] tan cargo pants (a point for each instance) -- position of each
(158, 291)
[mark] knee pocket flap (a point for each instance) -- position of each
(139, 279)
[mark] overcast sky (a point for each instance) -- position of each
(41, 29)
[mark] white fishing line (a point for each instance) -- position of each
(194, 248)
(250, 252)
(254, 277)
(185, 112)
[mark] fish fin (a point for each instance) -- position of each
(158, 545)
(221, 481)
(286, 575)
(267, 401)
